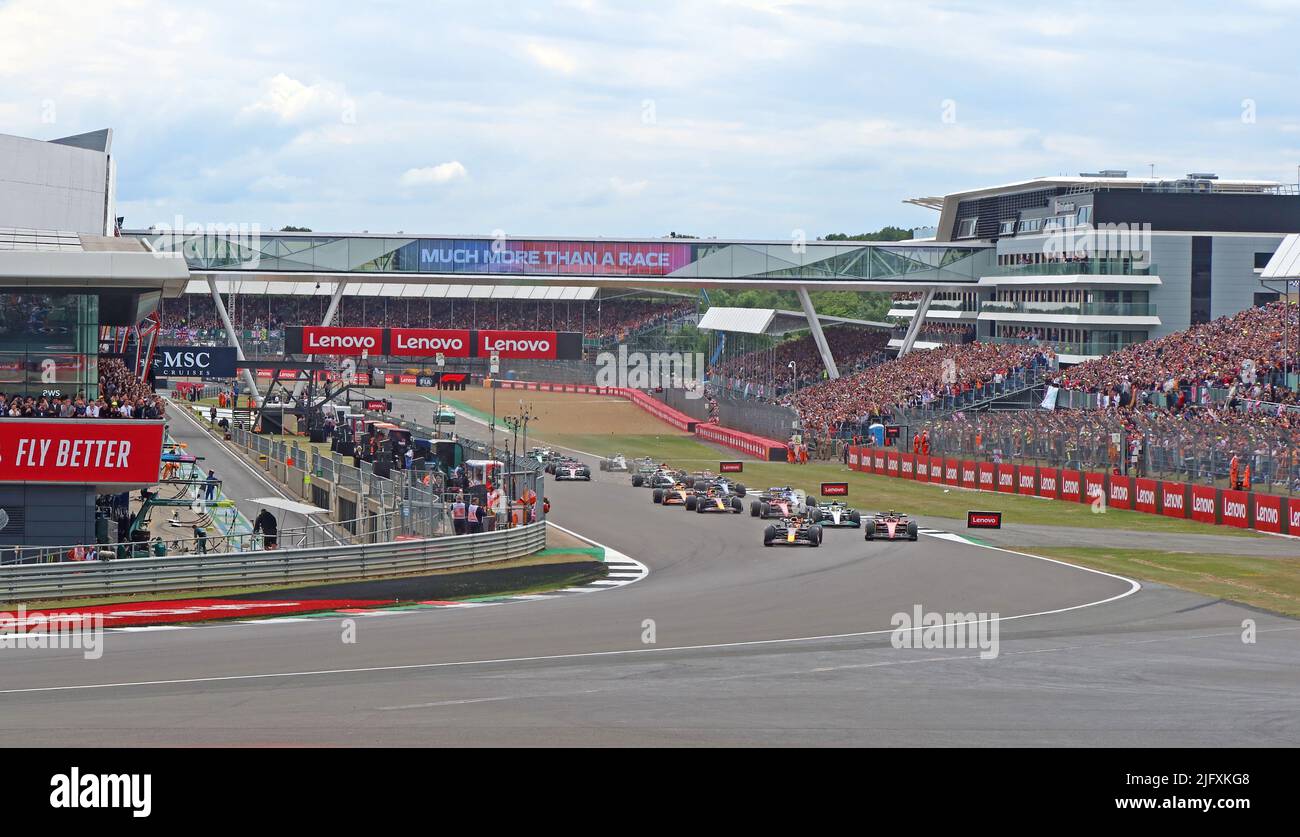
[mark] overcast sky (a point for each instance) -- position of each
(729, 119)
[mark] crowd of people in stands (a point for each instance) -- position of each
(1247, 351)
(852, 348)
(948, 376)
(121, 395)
(195, 319)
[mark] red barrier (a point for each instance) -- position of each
(936, 469)
(1026, 479)
(663, 412)
(1293, 516)
(952, 472)
(1094, 485)
(1049, 481)
(907, 466)
(854, 452)
(1236, 508)
(1120, 492)
(969, 474)
(1174, 501)
(1146, 499)
(768, 449)
(877, 462)
(987, 476)
(1205, 504)
(891, 463)
(1007, 479)
(1071, 485)
(1268, 513)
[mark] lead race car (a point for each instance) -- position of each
(890, 526)
(835, 513)
(794, 530)
(779, 502)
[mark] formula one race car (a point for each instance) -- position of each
(678, 495)
(570, 469)
(617, 462)
(835, 513)
(779, 502)
(713, 499)
(793, 530)
(727, 486)
(642, 472)
(890, 526)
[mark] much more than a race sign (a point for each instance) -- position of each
(835, 489)
(80, 451)
(983, 520)
(731, 467)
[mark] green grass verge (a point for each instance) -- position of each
(1267, 583)
(872, 491)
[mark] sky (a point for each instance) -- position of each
(746, 119)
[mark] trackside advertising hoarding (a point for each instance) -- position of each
(835, 489)
(80, 451)
(194, 362)
(341, 341)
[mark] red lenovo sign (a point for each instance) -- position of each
(734, 466)
(536, 345)
(835, 489)
(336, 340)
(80, 451)
(427, 342)
(983, 520)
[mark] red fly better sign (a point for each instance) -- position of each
(80, 451)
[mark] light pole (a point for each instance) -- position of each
(493, 367)
(441, 360)
(794, 370)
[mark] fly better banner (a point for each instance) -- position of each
(80, 451)
(341, 341)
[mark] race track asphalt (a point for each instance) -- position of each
(753, 646)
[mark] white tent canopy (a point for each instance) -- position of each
(1285, 263)
(288, 505)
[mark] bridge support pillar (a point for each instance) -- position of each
(330, 313)
(814, 324)
(233, 339)
(914, 328)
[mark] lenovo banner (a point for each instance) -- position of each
(1121, 493)
(988, 476)
(1205, 503)
(734, 466)
(81, 451)
(936, 469)
(1007, 479)
(335, 341)
(1268, 513)
(835, 489)
(194, 362)
(429, 342)
(1236, 508)
(983, 520)
(1094, 486)
(969, 475)
(1146, 499)
(1026, 479)
(1071, 486)
(533, 345)
(907, 466)
(1049, 481)
(1174, 499)
(922, 469)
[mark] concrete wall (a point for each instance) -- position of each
(769, 420)
(51, 186)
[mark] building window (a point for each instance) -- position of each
(966, 227)
(1261, 260)
(1202, 256)
(1007, 228)
(1262, 299)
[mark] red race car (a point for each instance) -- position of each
(889, 526)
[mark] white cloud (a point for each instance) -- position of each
(552, 58)
(433, 175)
(289, 100)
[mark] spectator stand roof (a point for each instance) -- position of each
(1285, 263)
(770, 321)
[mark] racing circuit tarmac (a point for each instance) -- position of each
(754, 646)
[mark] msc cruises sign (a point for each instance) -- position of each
(194, 362)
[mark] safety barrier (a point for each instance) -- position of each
(1205, 503)
(242, 569)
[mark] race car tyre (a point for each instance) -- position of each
(769, 535)
(764, 510)
(912, 533)
(699, 485)
(691, 503)
(658, 495)
(815, 533)
(815, 515)
(736, 506)
(753, 508)
(870, 533)
(638, 481)
(855, 518)
(740, 490)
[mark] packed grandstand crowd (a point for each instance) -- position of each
(121, 395)
(194, 318)
(852, 348)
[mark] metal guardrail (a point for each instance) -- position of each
(208, 572)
